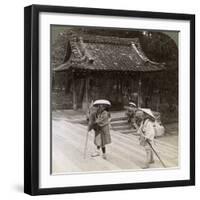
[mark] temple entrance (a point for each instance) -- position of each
(118, 89)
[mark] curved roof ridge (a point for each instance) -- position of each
(108, 39)
(100, 53)
(142, 55)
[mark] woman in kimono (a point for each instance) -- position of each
(147, 134)
(101, 128)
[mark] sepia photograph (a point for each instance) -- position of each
(114, 99)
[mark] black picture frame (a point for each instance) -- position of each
(31, 98)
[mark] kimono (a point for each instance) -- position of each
(147, 133)
(130, 113)
(102, 131)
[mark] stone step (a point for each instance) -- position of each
(118, 119)
(158, 143)
(131, 142)
(128, 131)
(119, 123)
(118, 128)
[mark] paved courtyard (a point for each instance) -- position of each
(69, 131)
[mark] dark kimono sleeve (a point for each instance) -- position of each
(103, 119)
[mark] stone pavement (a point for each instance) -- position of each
(124, 153)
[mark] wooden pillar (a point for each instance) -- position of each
(121, 90)
(87, 91)
(74, 95)
(118, 89)
(131, 84)
(139, 90)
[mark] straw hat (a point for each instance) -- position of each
(148, 112)
(132, 104)
(102, 102)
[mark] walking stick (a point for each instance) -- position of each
(85, 148)
(156, 154)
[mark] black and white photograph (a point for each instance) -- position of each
(99, 100)
(109, 100)
(114, 99)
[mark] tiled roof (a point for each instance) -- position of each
(104, 53)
